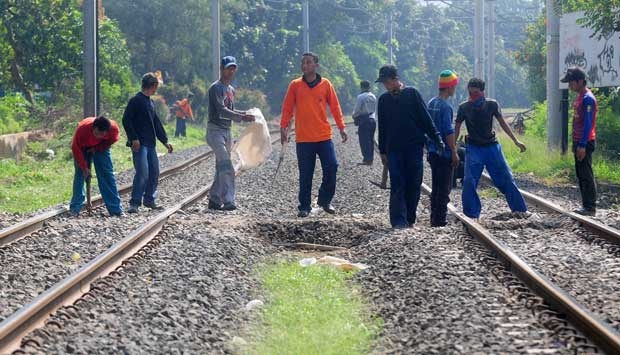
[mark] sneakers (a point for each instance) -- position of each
(229, 207)
(132, 209)
(329, 209)
(522, 215)
(153, 206)
(586, 211)
(303, 214)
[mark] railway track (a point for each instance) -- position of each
(77, 284)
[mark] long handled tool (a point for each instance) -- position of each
(89, 205)
(282, 151)
(384, 177)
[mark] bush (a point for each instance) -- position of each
(13, 113)
(247, 98)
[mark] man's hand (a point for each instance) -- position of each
(86, 173)
(580, 154)
(440, 147)
(455, 159)
(283, 135)
(520, 145)
(248, 118)
(135, 145)
(169, 146)
(344, 136)
(384, 159)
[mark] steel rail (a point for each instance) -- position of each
(602, 230)
(34, 223)
(596, 330)
(66, 291)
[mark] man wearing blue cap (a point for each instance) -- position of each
(221, 114)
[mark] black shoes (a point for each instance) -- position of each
(218, 207)
(153, 206)
(229, 207)
(214, 206)
(365, 162)
(329, 209)
(591, 212)
(132, 209)
(303, 214)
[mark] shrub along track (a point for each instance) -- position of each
(434, 294)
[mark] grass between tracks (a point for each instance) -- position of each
(312, 310)
(36, 182)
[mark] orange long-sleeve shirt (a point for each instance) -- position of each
(84, 139)
(308, 106)
(185, 110)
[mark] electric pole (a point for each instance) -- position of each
(554, 121)
(215, 33)
(391, 39)
(479, 39)
(491, 46)
(89, 61)
(306, 22)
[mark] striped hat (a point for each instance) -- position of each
(448, 79)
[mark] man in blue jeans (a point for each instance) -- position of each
(364, 119)
(483, 150)
(404, 124)
(91, 144)
(143, 127)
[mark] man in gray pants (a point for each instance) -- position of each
(221, 114)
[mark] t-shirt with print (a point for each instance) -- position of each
(478, 118)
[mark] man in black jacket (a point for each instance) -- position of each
(403, 123)
(143, 127)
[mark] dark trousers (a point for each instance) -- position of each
(306, 160)
(585, 176)
(441, 168)
(406, 171)
(180, 129)
(366, 134)
(105, 180)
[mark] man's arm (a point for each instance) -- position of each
(334, 107)
(588, 112)
(77, 149)
(382, 123)
(356, 109)
(506, 128)
(427, 121)
(216, 97)
(113, 136)
(128, 120)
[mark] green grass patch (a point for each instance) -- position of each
(35, 183)
(489, 192)
(554, 167)
(312, 310)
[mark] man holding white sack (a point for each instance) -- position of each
(221, 114)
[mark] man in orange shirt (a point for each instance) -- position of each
(306, 98)
(183, 112)
(91, 143)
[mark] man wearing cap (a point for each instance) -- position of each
(183, 112)
(221, 114)
(364, 118)
(483, 150)
(403, 123)
(91, 143)
(306, 98)
(143, 127)
(584, 137)
(442, 165)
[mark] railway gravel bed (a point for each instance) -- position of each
(560, 249)
(124, 177)
(31, 265)
(188, 295)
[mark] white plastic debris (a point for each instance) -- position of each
(254, 144)
(342, 264)
(307, 262)
(253, 304)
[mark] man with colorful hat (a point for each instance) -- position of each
(584, 137)
(404, 124)
(442, 164)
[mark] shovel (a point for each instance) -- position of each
(384, 177)
(280, 159)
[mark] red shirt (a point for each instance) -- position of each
(585, 108)
(84, 139)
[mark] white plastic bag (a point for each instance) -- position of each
(254, 145)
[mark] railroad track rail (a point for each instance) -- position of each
(76, 285)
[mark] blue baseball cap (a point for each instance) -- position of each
(228, 61)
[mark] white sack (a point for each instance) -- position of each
(254, 145)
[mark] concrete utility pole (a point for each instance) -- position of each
(390, 39)
(89, 65)
(479, 39)
(306, 21)
(554, 121)
(491, 46)
(215, 33)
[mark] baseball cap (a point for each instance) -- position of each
(574, 73)
(387, 72)
(228, 61)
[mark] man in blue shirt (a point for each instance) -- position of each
(442, 164)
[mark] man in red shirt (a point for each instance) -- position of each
(183, 112)
(584, 137)
(91, 143)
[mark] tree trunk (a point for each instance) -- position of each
(16, 75)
